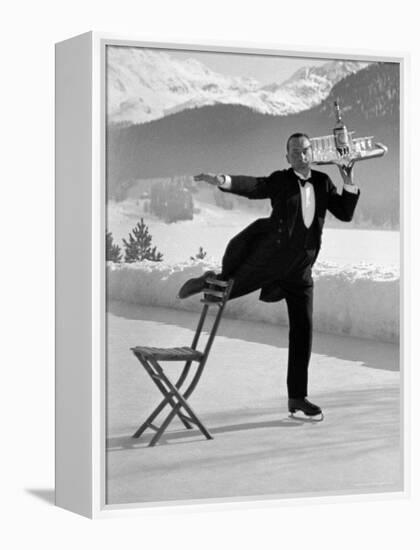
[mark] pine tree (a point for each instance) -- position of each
(131, 249)
(113, 251)
(138, 247)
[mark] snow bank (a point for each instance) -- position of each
(360, 300)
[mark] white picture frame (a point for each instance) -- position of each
(80, 266)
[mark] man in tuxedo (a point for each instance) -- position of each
(276, 254)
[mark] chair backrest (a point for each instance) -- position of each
(216, 295)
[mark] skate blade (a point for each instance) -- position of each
(300, 415)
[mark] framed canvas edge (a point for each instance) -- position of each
(100, 509)
(73, 288)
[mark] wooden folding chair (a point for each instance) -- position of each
(176, 394)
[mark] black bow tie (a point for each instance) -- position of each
(302, 181)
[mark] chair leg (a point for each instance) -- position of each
(169, 419)
(182, 403)
(155, 413)
(164, 425)
(168, 399)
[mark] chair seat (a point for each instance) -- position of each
(169, 354)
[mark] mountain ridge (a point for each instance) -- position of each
(235, 139)
(145, 85)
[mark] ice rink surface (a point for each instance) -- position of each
(257, 449)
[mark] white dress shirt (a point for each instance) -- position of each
(307, 196)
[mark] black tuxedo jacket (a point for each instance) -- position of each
(282, 188)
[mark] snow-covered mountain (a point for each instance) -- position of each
(237, 140)
(145, 85)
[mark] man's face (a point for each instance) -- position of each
(299, 154)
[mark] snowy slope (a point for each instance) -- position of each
(360, 301)
(213, 227)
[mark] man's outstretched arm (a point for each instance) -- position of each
(246, 186)
(214, 179)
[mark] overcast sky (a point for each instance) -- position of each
(265, 69)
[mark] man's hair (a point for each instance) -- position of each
(296, 136)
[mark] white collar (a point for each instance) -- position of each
(301, 177)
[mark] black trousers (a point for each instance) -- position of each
(289, 270)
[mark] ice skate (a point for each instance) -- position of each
(305, 406)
